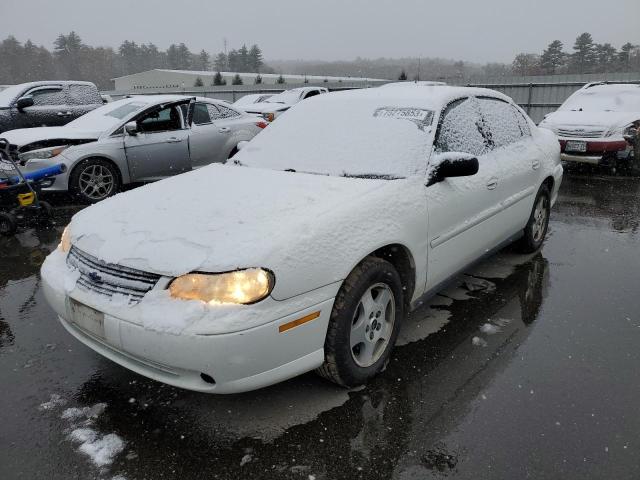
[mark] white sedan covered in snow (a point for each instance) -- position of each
(307, 252)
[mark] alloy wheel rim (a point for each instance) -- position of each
(96, 182)
(540, 215)
(372, 325)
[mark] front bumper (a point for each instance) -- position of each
(597, 150)
(237, 362)
(59, 183)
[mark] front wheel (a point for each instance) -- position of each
(536, 228)
(364, 323)
(94, 179)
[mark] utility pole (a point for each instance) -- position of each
(419, 68)
(224, 42)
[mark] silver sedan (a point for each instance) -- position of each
(135, 140)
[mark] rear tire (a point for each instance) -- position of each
(94, 179)
(536, 229)
(8, 224)
(364, 324)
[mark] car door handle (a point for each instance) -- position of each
(224, 130)
(174, 140)
(492, 184)
(535, 164)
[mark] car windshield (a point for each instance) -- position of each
(598, 100)
(338, 136)
(288, 97)
(108, 116)
(9, 94)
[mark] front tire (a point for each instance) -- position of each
(536, 229)
(94, 179)
(364, 325)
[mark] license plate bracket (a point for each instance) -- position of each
(87, 318)
(576, 146)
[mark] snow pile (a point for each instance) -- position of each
(101, 449)
(54, 401)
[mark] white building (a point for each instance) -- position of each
(160, 79)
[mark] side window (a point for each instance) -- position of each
(501, 120)
(522, 122)
(83, 95)
(161, 120)
(201, 114)
(461, 129)
(221, 112)
(44, 96)
(312, 93)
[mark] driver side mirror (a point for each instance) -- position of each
(131, 128)
(453, 165)
(24, 102)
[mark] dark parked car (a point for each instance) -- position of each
(38, 104)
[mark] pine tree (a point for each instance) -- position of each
(606, 57)
(220, 62)
(256, 61)
(218, 79)
(624, 56)
(203, 61)
(243, 59)
(280, 80)
(583, 57)
(67, 50)
(403, 76)
(198, 82)
(552, 58)
(237, 80)
(258, 80)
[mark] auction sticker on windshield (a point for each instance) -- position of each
(420, 116)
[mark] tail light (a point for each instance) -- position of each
(262, 124)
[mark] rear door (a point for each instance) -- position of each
(82, 98)
(463, 223)
(49, 108)
(208, 137)
(161, 146)
(517, 159)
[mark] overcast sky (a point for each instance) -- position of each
(477, 31)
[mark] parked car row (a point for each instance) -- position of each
(305, 251)
(134, 140)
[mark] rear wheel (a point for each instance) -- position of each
(536, 228)
(94, 179)
(8, 224)
(364, 323)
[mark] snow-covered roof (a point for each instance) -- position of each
(205, 73)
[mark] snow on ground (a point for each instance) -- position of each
(54, 401)
(101, 448)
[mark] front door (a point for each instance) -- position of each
(462, 211)
(50, 108)
(161, 146)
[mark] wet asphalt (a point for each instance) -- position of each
(528, 367)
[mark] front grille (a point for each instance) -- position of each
(109, 279)
(580, 133)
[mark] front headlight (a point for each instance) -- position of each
(240, 287)
(65, 241)
(43, 153)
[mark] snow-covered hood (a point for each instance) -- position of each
(602, 120)
(221, 218)
(25, 136)
(265, 107)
